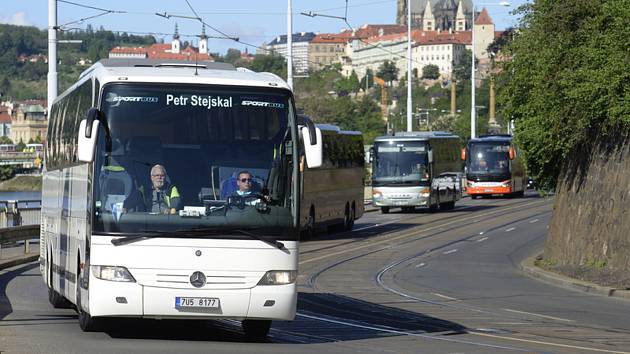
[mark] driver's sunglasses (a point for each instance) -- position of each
(246, 180)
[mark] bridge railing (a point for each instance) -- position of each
(15, 241)
(19, 212)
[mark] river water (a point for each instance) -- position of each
(20, 196)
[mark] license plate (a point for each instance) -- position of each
(196, 302)
(400, 202)
(488, 190)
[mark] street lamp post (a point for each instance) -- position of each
(473, 118)
(409, 81)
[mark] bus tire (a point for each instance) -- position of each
(257, 329)
(349, 218)
(309, 230)
(385, 210)
(86, 321)
(447, 206)
(56, 299)
(433, 208)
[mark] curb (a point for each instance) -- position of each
(17, 261)
(529, 268)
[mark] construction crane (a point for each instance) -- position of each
(381, 82)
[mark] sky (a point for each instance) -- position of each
(252, 21)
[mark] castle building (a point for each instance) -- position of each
(433, 15)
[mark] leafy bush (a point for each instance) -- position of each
(568, 79)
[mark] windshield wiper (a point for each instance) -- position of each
(193, 232)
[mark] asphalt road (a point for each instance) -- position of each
(400, 283)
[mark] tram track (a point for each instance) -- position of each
(438, 227)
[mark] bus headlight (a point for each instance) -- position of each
(425, 193)
(278, 277)
(377, 195)
(505, 184)
(112, 273)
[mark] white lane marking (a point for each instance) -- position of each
(406, 235)
(394, 331)
(451, 251)
(421, 265)
(481, 233)
(533, 221)
(510, 229)
(539, 315)
(482, 239)
(445, 297)
(548, 343)
(377, 225)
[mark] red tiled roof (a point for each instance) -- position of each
(441, 37)
(5, 117)
(483, 18)
(331, 38)
(162, 51)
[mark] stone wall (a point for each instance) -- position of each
(589, 234)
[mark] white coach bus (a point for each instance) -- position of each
(416, 169)
(114, 246)
(333, 194)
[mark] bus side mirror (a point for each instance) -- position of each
(312, 146)
(463, 154)
(512, 152)
(371, 157)
(430, 156)
(88, 131)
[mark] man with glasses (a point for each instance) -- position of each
(244, 183)
(163, 198)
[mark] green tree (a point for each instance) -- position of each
(568, 79)
(20, 146)
(461, 71)
(388, 71)
(5, 140)
(271, 63)
(232, 55)
(431, 72)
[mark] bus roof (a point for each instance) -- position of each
(172, 71)
(332, 127)
(411, 136)
(498, 138)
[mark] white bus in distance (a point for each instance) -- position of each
(110, 249)
(416, 169)
(333, 194)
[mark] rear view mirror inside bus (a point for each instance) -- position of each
(87, 140)
(312, 151)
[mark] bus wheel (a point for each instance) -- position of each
(309, 231)
(385, 210)
(257, 329)
(55, 299)
(433, 208)
(349, 218)
(447, 206)
(86, 321)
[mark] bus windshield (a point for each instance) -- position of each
(398, 162)
(487, 158)
(186, 158)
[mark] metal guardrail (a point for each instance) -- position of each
(12, 236)
(19, 212)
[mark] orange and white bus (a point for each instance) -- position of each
(494, 166)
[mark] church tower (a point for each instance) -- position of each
(175, 43)
(203, 41)
(428, 20)
(460, 19)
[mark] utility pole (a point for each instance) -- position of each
(290, 45)
(52, 52)
(409, 81)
